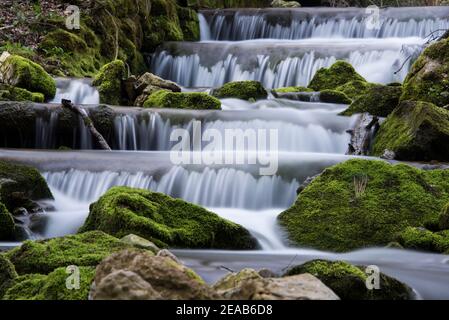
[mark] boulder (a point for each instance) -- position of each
(285, 4)
(164, 220)
(182, 100)
(378, 100)
(333, 96)
(336, 75)
(21, 72)
(7, 274)
(235, 279)
(7, 226)
(424, 240)
(10, 93)
(415, 131)
(139, 242)
(349, 282)
(146, 276)
(355, 88)
(245, 90)
(109, 82)
(17, 123)
(443, 219)
(364, 203)
(292, 89)
(148, 84)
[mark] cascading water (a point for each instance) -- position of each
(79, 91)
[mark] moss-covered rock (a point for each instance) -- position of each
(349, 281)
(21, 72)
(218, 4)
(333, 96)
(51, 286)
(10, 93)
(182, 100)
(44, 256)
(443, 219)
(19, 184)
(416, 130)
(17, 124)
(355, 88)
(423, 239)
(428, 79)
(7, 226)
(7, 274)
(164, 221)
(109, 82)
(364, 203)
(378, 101)
(336, 75)
(245, 90)
(293, 89)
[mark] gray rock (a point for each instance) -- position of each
(140, 243)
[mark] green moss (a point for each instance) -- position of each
(378, 101)
(333, 96)
(67, 41)
(293, 89)
(355, 88)
(336, 75)
(443, 219)
(44, 256)
(24, 180)
(17, 123)
(51, 286)
(7, 274)
(164, 221)
(330, 215)
(415, 131)
(182, 100)
(7, 226)
(422, 239)
(109, 82)
(246, 90)
(216, 4)
(11, 93)
(26, 74)
(349, 282)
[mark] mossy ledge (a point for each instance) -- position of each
(182, 100)
(245, 90)
(333, 214)
(166, 221)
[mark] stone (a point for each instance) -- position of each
(234, 279)
(285, 4)
(139, 242)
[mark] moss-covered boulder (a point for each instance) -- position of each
(443, 219)
(355, 88)
(109, 82)
(7, 226)
(164, 220)
(333, 96)
(7, 274)
(349, 281)
(416, 130)
(293, 89)
(364, 203)
(51, 286)
(17, 124)
(336, 75)
(44, 256)
(245, 90)
(423, 239)
(21, 72)
(378, 101)
(428, 79)
(20, 184)
(182, 100)
(10, 93)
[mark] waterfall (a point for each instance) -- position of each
(79, 91)
(225, 187)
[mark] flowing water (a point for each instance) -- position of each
(278, 47)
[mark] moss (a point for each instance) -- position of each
(428, 79)
(11, 93)
(7, 226)
(333, 96)
(67, 41)
(336, 75)
(378, 101)
(182, 100)
(17, 124)
(51, 286)
(164, 221)
(422, 239)
(415, 131)
(245, 90)
(103, 119)
(17, 179)
(24, 73)
(44, 256)
(349, 282)
(7, 274)
(109, 82)
(355, 88)
(293, 89)
(330, 215)
(443, 219)
(216, 4)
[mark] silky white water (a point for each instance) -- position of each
(79, 91)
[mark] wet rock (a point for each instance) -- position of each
(139, 242)
(285, 4)
(7, 275)
(245, 90)
(7, 226)
(148, 84)
(168, 254)
(109, 82)
(235, 279)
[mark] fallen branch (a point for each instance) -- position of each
(88, 122)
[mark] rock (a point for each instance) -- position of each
(388, 155)
(336, 75)
(415, 131)
(428, 79)
(10, 93)
(299, 287)
(168, 254)
(425, 240)
(7, 226)
(362, 133)
(378, 100)
(182, 100)
(20, 185)
(148, 83)
(443, 219)
(355, 88)
(291, 89)
(349, 282)
(333, 96)
(266, 273)
(103, 118)
(17, 123)
(161, 275)
(109, 82)
(20, 72)
(364, 203)
(7, 274)
(44, 256)
(245, 90)
(139, 242)
(165, 221)
(52, 286)
(285, 4)
(235, 279)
